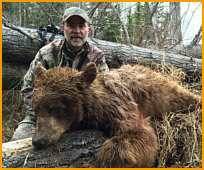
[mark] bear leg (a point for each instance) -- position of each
(129, 150)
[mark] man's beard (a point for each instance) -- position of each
(76, 40)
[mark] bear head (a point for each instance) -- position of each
(57, 100)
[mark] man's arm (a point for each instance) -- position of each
(28, 83)
(102, 65)
(96, 55)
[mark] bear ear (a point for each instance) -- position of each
(147, 121)
(89, 74)
(39, 69)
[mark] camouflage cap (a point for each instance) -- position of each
(75, 11)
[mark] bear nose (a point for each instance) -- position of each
(39, 141)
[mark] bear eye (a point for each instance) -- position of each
(55, 110)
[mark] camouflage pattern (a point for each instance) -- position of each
(75, 11)
(58, 54)
(26, 129)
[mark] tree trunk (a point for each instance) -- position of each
(175, 22)
(12, 75)
(194, 51)
(153, 18)
(91, 13)
(197, 37)
(118, 54)
(122, 23)
(17, 47)
(19, 50)
(72, 150)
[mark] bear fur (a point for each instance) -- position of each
(118, 102)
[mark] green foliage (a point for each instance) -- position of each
(105, 22)
(139, 24)
(31, 14)
(136, 22)
(112, 30)
(11, 10)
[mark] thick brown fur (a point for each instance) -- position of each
(114, 102)
(134, 146)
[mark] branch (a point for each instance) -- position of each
(197, 37)
(19, 30)
(191, 18)
(100, 15)
(153, 9)
(91, 13)
(48, 16)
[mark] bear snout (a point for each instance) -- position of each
(39, 142)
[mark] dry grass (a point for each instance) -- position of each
(179, 135)
(180, 140)
(12, 112)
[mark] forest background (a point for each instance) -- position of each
(148, 24)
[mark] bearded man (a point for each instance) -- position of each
(74, 51)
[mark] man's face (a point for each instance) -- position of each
(76, 31)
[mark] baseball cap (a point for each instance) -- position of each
(75, 11)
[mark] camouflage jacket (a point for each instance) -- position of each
(58, 54)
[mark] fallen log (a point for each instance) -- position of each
(16, 147)
(20, 49)
(118, 54)
(12, 75)
(194, 51)
(72, 150)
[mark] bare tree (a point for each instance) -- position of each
(153, 17)
(91, 13)
(175, 22)
(100, 11)
(22, 12)
(46, 13)
(197, 37)
(122, 23)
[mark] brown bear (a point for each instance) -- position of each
(114, 102)
(133, 145)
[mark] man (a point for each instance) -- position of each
(74, 51)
